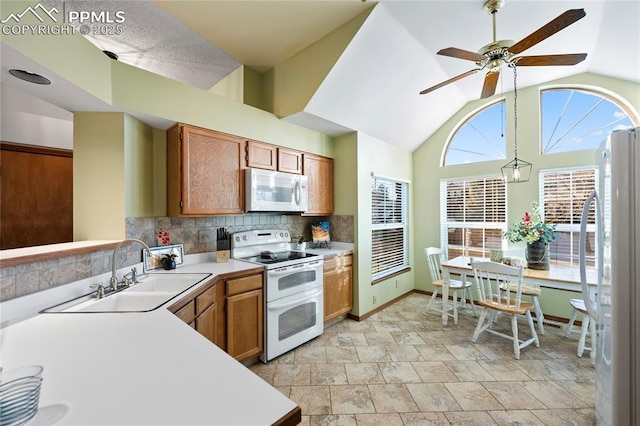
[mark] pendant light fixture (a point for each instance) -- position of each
(517, 170)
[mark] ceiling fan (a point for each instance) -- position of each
(499, 52)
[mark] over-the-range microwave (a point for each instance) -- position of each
(270, 191)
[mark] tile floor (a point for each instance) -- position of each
(403, 367)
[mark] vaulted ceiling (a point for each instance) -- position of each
(374, 85)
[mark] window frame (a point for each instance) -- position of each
(573, 229)
(445, 224)
(401, 261)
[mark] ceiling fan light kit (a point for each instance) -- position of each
(493, 55)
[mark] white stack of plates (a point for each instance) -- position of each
(19, 394)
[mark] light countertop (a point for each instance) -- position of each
(139, 368)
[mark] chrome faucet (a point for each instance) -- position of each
(113, 282)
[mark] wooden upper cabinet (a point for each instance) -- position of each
(204, 172)
(319, 170)
(289, 161)
(262, 155)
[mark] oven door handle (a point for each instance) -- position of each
(288, 269)
(274, 306)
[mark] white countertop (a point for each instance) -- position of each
(139, 369)
(336, 249)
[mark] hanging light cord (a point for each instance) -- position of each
(515, 113)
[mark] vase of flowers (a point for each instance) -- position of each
(537, 234)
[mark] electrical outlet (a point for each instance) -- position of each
(375, 300)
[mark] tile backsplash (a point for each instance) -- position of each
(198, 235)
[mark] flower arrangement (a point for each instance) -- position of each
(163, 237)
(531, 229)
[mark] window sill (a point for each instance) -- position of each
(386, 277)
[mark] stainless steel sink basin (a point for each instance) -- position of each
(151, 292)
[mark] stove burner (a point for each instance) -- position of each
(268, 255)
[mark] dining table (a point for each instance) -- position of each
(558, 276)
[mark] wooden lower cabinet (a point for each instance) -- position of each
(244, 317)
(228, 312)
(338, 286)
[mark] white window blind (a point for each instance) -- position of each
(390, 226)
(472, 215)
(562, 195)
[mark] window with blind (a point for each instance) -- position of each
(563, 192)
(389, 226)
(473, 215)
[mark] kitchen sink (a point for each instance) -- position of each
(151, 292)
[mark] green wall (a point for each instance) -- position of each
(428, 173)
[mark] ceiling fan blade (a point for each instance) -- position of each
(561, 22)
(454, 52)
(490, 84)
(451, 80)
(542, 60)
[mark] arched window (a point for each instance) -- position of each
(479, 138)
(575, 119)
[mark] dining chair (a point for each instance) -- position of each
(444, 284)
(491, 281)
(588, 326)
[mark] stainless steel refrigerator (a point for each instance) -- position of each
(617, 297)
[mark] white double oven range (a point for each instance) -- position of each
(293, 288)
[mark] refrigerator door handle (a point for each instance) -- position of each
(588, 303)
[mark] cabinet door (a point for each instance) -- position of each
(208, 166)
(261, 155)
(319, 170)
(289, 161)
(207, 323)
(338, 291)
(245, 325)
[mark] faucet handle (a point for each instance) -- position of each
(134, 275)
(99, 290)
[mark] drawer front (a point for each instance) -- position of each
(187, 313)
(336, 262)
(241, 285)
(205, 299)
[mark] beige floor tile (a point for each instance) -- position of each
(363, 373)
(574, 368)
(540, 370)
(473, 396)
(352, 339)
(399, 372)
(566, 417)
(470, 418)
(424, 419)
(285, 390)
(469, 371)
(305, 421)
(434, 371)
(513, 396)
(333, 420)
(312, 399)
(503, 370)
(435, 337)
(553, 395)
(265, 371)
(407, 338)
(372, 353)
(431, 352)
(515, 417)
(465, 351)
(341, 354)
(328, 338)
(310, 354)
(392, 398)
(386, 326)
(583, 389)
(433, 397)
(380, 339)
(351, 399)
(361, 327)
(404, 353)
(292, 374)
(378, 420)
(328, 374)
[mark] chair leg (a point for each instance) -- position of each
(567, 331)
(516, 341)
(455, 306)
(478, 329)
(533, 330)
(433, 297)
(473, 305)
(539, 314)
(583, 334)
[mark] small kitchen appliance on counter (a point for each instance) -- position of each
(294, 304)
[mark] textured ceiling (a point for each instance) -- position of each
(374, 86)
